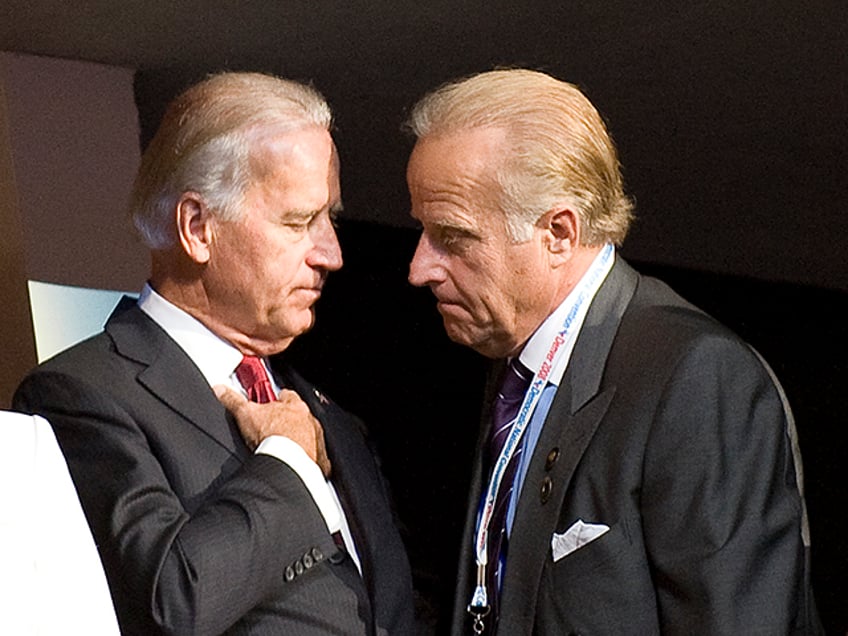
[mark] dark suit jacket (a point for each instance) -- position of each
(672, 432)
(197, 534)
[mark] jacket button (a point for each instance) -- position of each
(545, 490)
(552, 457)
(298, 567)
(308, 561)
(317, 555)
(289, 574)
(337, 557)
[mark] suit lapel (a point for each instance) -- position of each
(467, 569)
(354, 493)
(169, 373)
(575, 414)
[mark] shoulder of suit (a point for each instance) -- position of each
(127, 334)
(659, 320)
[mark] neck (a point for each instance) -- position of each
(573, 273)
(567, 276)
(188, 292)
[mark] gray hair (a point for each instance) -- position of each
(205, 144)
(558, 148)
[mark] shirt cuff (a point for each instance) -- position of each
(290, 453)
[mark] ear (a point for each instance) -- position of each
(562, 232)
(194, 227)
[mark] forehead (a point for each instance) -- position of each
(465, 152)
(298, 169)
(306, 149)
(455, 170)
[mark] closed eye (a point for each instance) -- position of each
(297, 219)
(453, 239)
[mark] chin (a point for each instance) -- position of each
(287, 330)
(485, 343)
(306, 323)
(460, 334)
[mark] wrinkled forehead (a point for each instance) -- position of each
(474, 151)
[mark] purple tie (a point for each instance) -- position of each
(513, 387)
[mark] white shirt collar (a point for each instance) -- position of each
(537, 346)
(216, 358)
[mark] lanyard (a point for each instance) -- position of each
(479, 605)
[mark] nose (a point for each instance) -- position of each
(326, 253)
(424, 268)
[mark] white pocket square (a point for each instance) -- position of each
(575, 537)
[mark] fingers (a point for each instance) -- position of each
(289, 417)
(325, 466)
(294, 402)
(232, 400)
(245, 417)
(321, 457)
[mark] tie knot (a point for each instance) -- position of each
(253, 377)
(515, 381)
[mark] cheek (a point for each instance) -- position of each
(481, 294)
(503, 294)
(283, 264)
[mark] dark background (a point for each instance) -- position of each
(379, 350)
(730, 117)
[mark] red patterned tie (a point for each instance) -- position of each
(254, 378)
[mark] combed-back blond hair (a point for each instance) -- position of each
(208, 143)
(557, 148)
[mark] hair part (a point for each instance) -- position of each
(208, 142)
(558, 150)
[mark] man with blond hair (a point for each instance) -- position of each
(263, 513)
(638, 471)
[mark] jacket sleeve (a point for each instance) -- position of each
(175, 566)
(722, 509)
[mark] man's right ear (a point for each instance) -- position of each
(194, 227)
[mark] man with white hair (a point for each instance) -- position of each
(638, 470)
(268, 516)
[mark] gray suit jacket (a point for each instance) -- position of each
(671, 431)
(197, 534)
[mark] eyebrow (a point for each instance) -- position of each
(303, 214)
(452, 225)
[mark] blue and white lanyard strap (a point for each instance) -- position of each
(479, 605)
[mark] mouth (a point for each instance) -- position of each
(448, 306)
(312, 292)
(315, 287)
(447, 303)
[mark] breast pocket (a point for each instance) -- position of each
(602, 587)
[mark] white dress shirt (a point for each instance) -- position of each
(217, 360)
(534, 353)
(51, 578)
